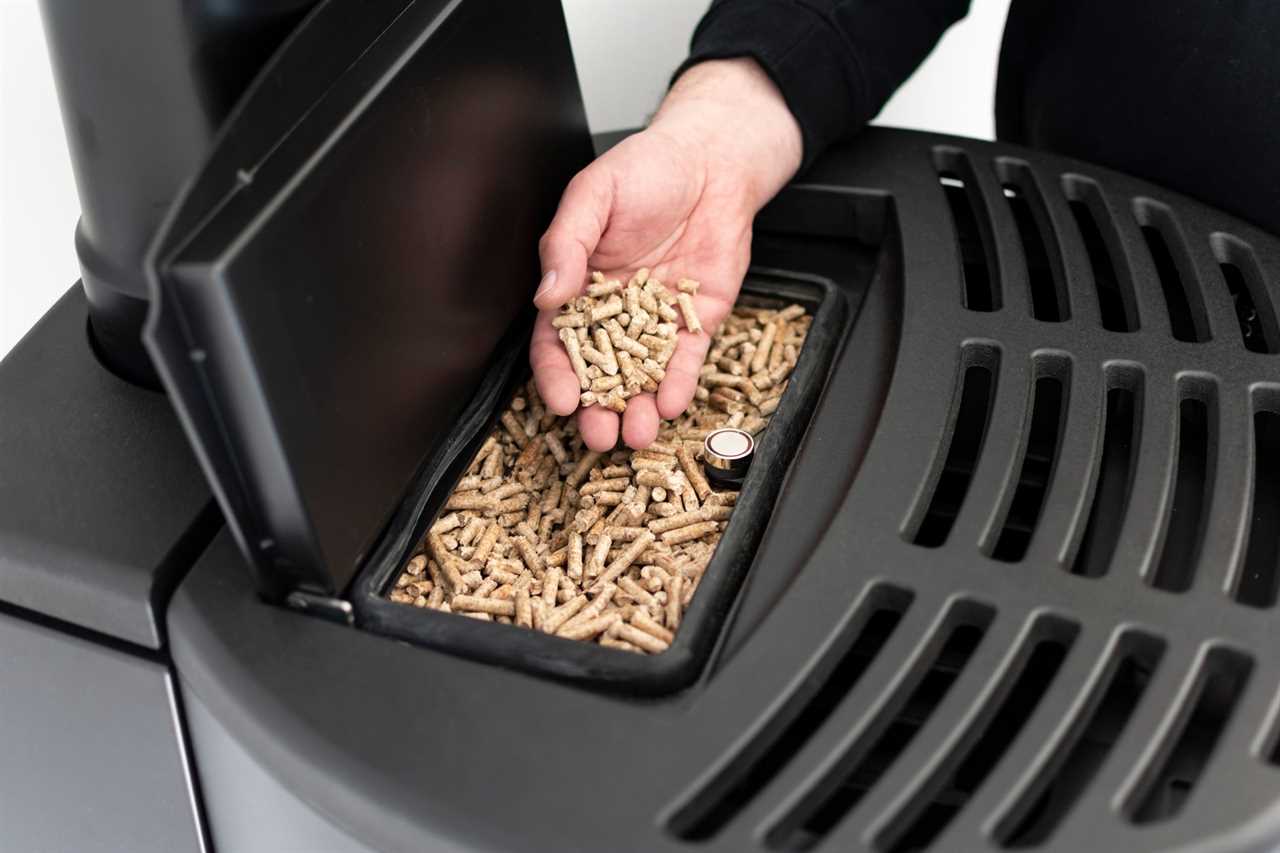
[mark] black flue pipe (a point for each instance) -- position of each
(144, 86)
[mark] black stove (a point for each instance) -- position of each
(1013, 582)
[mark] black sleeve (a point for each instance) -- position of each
(836, 61)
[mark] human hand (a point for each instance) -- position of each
(678, 198)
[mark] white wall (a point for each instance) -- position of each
(38, 207)
(625, 50)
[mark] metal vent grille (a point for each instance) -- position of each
(1061, 555)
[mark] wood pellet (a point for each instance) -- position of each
(608, 548)
(619, 337)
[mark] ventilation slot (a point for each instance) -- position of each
(1048, 409)
(1051, 797)
(963, 444)
(1116, 301)
(862, 766)
(1257, 586)
(1121, 428)
(959, 777)
(1046, 279)
(1218, 685)
(791, 728)
(972, 229)
(1246, 312)
(1184, 528)
(1254, 310)
(1187, 319)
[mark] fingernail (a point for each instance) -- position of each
(548, 281)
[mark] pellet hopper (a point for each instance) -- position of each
(1002, 573)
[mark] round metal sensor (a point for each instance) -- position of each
(725, 446)
(727, 454)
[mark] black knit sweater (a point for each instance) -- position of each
(1184, 93)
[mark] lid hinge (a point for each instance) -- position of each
(323, 606)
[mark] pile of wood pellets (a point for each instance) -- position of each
(542, 533)
(619, 338)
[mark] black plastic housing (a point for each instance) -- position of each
(590, 663)
(1107, 689)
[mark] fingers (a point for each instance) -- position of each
(556, 381)
(675, 392)
(713, 308)
(573, 235)
(640, 422)
(598, 428)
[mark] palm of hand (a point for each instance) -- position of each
(657, 205)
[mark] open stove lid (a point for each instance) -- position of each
(330, 288)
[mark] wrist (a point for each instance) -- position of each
(736, 115)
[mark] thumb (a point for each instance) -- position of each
(572, 237)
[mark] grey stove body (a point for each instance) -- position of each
(1017, 588)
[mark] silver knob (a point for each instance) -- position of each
(726, 456)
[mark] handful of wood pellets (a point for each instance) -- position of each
(543, 533)
(619, 339)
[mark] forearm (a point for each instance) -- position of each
(736, 113)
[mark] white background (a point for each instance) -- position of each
(625, 51)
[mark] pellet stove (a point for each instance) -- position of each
(1010, 580)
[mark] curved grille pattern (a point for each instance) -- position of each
(1193, 428)
(862, 639)
(1076, 484)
